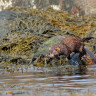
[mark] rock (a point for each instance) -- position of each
(91, 54)
(75, 59)
(5, 17)
(3, 28)
(8, 15)
(44, 48)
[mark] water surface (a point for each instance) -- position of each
(44, 81)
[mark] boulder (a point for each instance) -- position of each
(5, 18)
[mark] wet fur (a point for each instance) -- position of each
(69, 45)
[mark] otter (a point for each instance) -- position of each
(67, 46)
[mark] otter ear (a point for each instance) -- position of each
(58, 49)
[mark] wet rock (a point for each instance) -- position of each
(91, 54)
(75, 59)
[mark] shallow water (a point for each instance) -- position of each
(44, 81)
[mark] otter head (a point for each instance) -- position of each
(54, 51)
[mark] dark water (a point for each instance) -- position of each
(52, 81)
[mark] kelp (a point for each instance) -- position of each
(82, 25)
(23, 46)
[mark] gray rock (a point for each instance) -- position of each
(75, 59)
(8, 15)
(3, 28)
(5, 17)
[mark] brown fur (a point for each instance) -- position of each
(59, 49)
(69, 45)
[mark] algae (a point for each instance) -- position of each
(32, 27)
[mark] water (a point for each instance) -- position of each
(33, 81)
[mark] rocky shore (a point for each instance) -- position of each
(24, 32)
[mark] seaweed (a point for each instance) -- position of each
(32, 27)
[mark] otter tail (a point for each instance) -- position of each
(87, 39)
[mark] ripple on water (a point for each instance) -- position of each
(48, 82)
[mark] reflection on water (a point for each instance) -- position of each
(33, 81)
